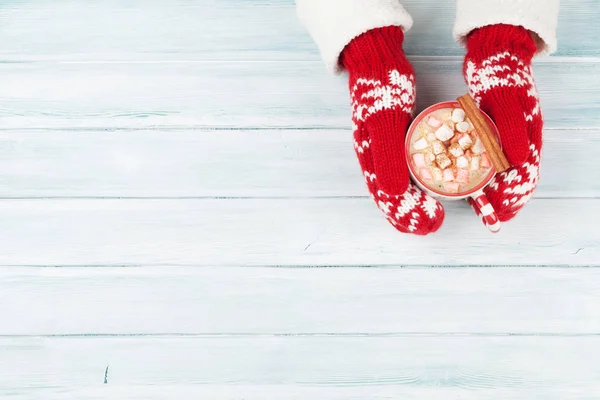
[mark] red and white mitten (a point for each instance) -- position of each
(497, 69)
(382, 90)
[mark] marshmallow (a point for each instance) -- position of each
(437, 174)
(462, 162)
(425, 174)
(443, 161)
(419, 159)
(421, 144)
(478, 147)
(434, 122)
(462, 175)
(463, 127)
(485, 161)
(458, 115)
(431, 137)
(429, 158)
(456, 150)
(451, 187)
(465, 141)
(438, 147)
(475, 163)
(444, 133)
(448, 175)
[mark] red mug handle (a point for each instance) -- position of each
(484, 209)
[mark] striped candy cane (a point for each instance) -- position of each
(485, 211)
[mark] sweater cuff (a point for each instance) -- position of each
(538, 16)
(334, 23)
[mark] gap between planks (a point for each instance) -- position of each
(416, 58)
(232, 335)
(302, 266)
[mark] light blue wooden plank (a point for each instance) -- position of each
(239, 163)
(301, 367)
(246, 94)
(299, 301)
(327, 231)
(225, 29)
(152, 29)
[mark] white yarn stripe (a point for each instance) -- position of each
(492, 73)
(526, 178)
(413, 222)
(494, 184)
(408, 202)
(384, 206)
(370, 176)
(530, 184)
(370, 96)
(496, 58)
(381, 193)
(521, 201)
(511, 176)
(430, 206)
(361, 147)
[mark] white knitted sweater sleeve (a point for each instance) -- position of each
(334, 23)
(539, 16)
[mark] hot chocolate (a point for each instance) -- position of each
(446, 154)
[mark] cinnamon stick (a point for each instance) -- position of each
(486, 134)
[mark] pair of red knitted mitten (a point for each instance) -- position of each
(497, 69)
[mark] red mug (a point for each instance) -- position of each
(476, 196)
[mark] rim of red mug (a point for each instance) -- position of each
(409, 134)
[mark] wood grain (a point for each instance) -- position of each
(245, 94)
(246, 301)
(238, 163)
(329, 231)
(389, 367)
(181, 29)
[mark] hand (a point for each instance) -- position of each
(497, 69)
(382, 89)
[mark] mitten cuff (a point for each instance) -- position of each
(538, 16)
(334, 23)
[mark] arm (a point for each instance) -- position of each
(502, 37)
(364, 38)
(334, 23)
(540, 17)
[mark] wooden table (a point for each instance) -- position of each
(182, 217)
